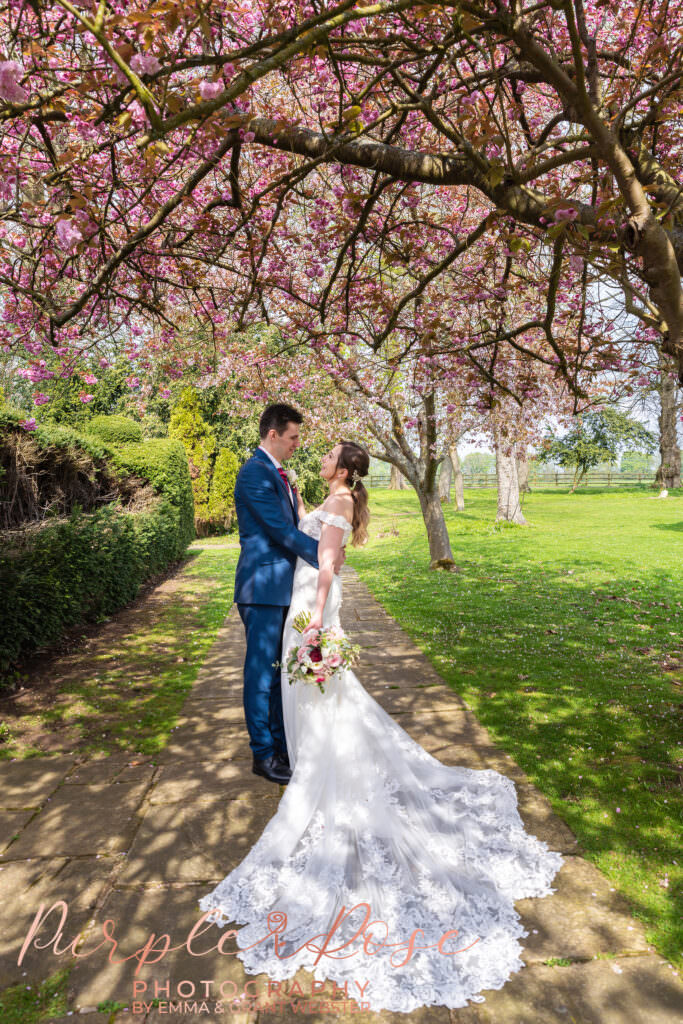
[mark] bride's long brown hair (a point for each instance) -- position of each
(356, 460)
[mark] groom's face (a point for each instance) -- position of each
(284, 445)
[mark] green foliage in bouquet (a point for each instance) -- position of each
(301, 620)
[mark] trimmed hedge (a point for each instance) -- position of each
(87, 567)
(222, 491)
(119, 429)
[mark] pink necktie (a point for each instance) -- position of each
(284, 477)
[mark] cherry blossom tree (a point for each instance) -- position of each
(174, 154)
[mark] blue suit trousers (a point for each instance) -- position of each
(264, 625)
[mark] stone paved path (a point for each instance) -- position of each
(140, 840)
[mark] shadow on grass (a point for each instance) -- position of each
(573, 659)
(122, 689)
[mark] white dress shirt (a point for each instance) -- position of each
(278, 465)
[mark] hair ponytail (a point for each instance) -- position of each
(356, 461)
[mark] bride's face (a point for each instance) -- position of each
(328, 466)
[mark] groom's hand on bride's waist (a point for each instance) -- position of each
(339, 560)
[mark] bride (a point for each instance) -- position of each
(382, 869)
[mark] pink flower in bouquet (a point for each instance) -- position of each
(334, 660)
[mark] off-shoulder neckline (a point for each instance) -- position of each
(334, 515)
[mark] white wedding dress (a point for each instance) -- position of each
(369, 817)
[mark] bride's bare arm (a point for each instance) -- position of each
(329, 547)
(330, 555)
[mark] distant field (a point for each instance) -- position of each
(566, 640)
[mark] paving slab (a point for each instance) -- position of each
(582, 918)
(540, 820)
(221, 744)
(29, 783)
(419, 701)
(630, 990)
(199, 840)
(24, 886)
(436, 730)
(219, 711)
(138, 914)
(187, 781)
(424, 1015)
(116, 768)
(11, 823)
(80, 820)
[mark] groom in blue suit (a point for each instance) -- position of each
(267, 508)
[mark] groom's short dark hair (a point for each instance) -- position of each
(276, 417)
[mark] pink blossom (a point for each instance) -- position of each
(85, 398)
(89, 378)
(10, 89)
(209, 90)
(566, 214)
(29, 424)
(68, 234)
(145, 64)
(7, 186)
(40, 399)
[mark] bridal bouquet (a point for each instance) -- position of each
(322, 653)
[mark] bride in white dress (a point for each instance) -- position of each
(376, 836)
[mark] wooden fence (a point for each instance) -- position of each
(549, 478)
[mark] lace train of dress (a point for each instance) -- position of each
(369, 817)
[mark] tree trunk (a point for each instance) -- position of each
(523, 470)
(445, 477)
(669, 472)
(509, 507)
(440, 554)
(458, 479)
(396, 483)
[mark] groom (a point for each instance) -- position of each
(268, 516)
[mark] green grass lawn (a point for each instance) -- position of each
(565, 639)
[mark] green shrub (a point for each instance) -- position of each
(117, 429)
(199, 441)
(162, 461)
(221, 494)
(91, 564)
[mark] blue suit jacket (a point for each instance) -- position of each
(269, 537)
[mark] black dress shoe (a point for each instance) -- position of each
(273, 769)
(283, 758)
